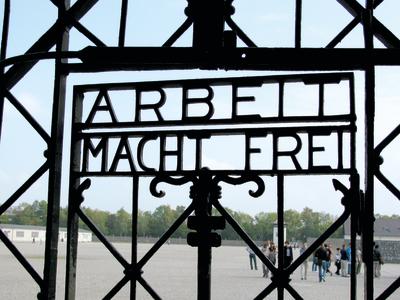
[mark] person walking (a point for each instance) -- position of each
(343, 261)
(377, 261)
(358, 260)
(348, 250)
(314, 266)
(287, 255)
(322, 257)
(265, 251)
(252, 258)
(329, 258)
(304, 265)
(271, 256)
(337, 261)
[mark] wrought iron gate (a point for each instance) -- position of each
(213, 48)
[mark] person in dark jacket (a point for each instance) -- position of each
(322, 256)
(378, 261)
(287, 255)
(344, 261)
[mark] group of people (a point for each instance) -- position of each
(270, 251)
(322, 260)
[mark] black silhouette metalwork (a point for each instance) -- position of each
(213, 48)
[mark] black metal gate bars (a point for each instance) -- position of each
(213, 47)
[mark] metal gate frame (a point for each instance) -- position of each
(213, 48)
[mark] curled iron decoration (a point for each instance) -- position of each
(243, 179)
(171, 180)
(80, 189)
(350, 197)
(344, 190)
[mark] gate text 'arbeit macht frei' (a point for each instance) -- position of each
(105, 144)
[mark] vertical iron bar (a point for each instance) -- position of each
(55, 165)
(368, 234)
(203, 211)
(3, 55)
(355, 184)
(74, 182)
(281, 98)
(353, 241)
(281, 230)
(135, 204)
(321, 100)
(297, 42)
(208, 23)
(122, 25)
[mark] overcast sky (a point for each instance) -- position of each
(150, 23)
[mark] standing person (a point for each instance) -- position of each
(322, 256)
(348, 250)
(337, 261)
(358, 260)
(304, 265)
(343, 261)
(329, 258)
(287, 255)
(252, 258)
(265, 250)
(377, 260)
(271, 256)
(314, 263)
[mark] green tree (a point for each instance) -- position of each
(294, 224)
(125, 221)
(264, 224)
(98, 217)
(182, 230)
(143, 221)
(39, 212)
(162, 218)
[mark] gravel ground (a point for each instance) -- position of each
(172, 274)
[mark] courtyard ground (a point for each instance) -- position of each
(171, 273)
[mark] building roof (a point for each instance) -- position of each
(34, 227)
(382, 228)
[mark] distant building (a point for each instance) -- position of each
(386, 235)
(30, 233)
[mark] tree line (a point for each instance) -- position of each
(299, 225)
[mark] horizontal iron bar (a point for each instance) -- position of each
(306, 78)
(46, 42)
(317, 171)
(281, 131)
(97, 59)
(253, 119)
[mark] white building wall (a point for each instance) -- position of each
(39, 235)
